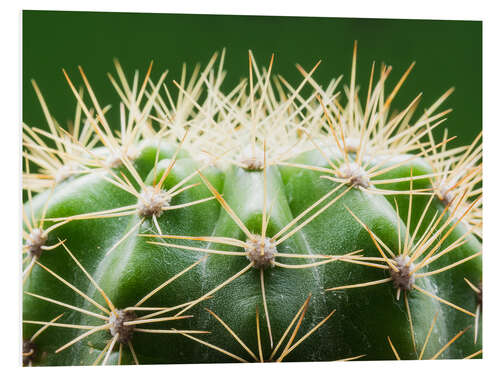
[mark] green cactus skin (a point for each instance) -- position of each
(369, 321)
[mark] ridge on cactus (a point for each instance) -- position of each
(269, 222)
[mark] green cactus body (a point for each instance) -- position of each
(259, 260)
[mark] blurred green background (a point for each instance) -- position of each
(447, 53)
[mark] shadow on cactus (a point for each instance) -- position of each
(211, 222)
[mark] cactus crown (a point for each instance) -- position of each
(249, 202)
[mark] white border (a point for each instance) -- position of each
(11, 62)
(423, 9)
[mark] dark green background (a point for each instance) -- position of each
(448, 53)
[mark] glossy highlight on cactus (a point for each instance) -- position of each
(266, 223)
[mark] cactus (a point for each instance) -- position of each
(269, 223)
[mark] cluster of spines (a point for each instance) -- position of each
(256, 125)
